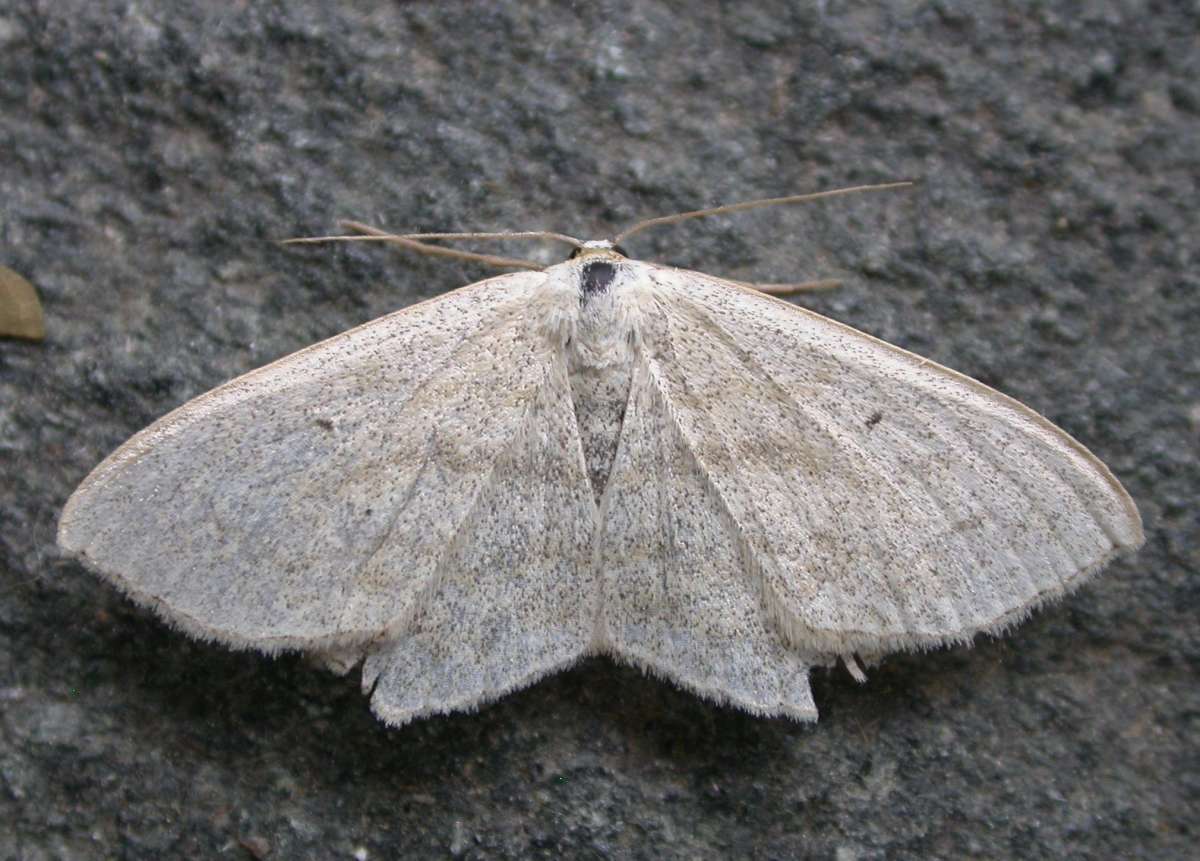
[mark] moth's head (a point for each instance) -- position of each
(600, 258)
(599, 248)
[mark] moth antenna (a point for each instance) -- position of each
(412, 241)
(755, 204)
(789, 289)
(424, 248)
(504, 234)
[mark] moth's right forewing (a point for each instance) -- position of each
(305, 504)
(885, 502)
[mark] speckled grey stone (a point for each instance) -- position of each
(152, 152)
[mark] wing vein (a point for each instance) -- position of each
(464, 342)
(745, 550)
(847, 449)
(433, 582)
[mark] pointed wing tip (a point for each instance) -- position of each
(1127, 530)
(1135, 533)
(70, 543)
(69, 536)
(1135, 541)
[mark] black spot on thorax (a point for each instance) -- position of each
(596, 277)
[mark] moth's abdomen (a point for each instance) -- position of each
(600, 358)
(599, 396)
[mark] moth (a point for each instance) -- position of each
(602, 456)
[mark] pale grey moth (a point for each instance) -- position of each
(603, 456)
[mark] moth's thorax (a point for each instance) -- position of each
(607, 323)
(600, 349)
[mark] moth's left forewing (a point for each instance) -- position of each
(308, 504)
(885, 501)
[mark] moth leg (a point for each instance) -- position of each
(339, 660)
(853, 668)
